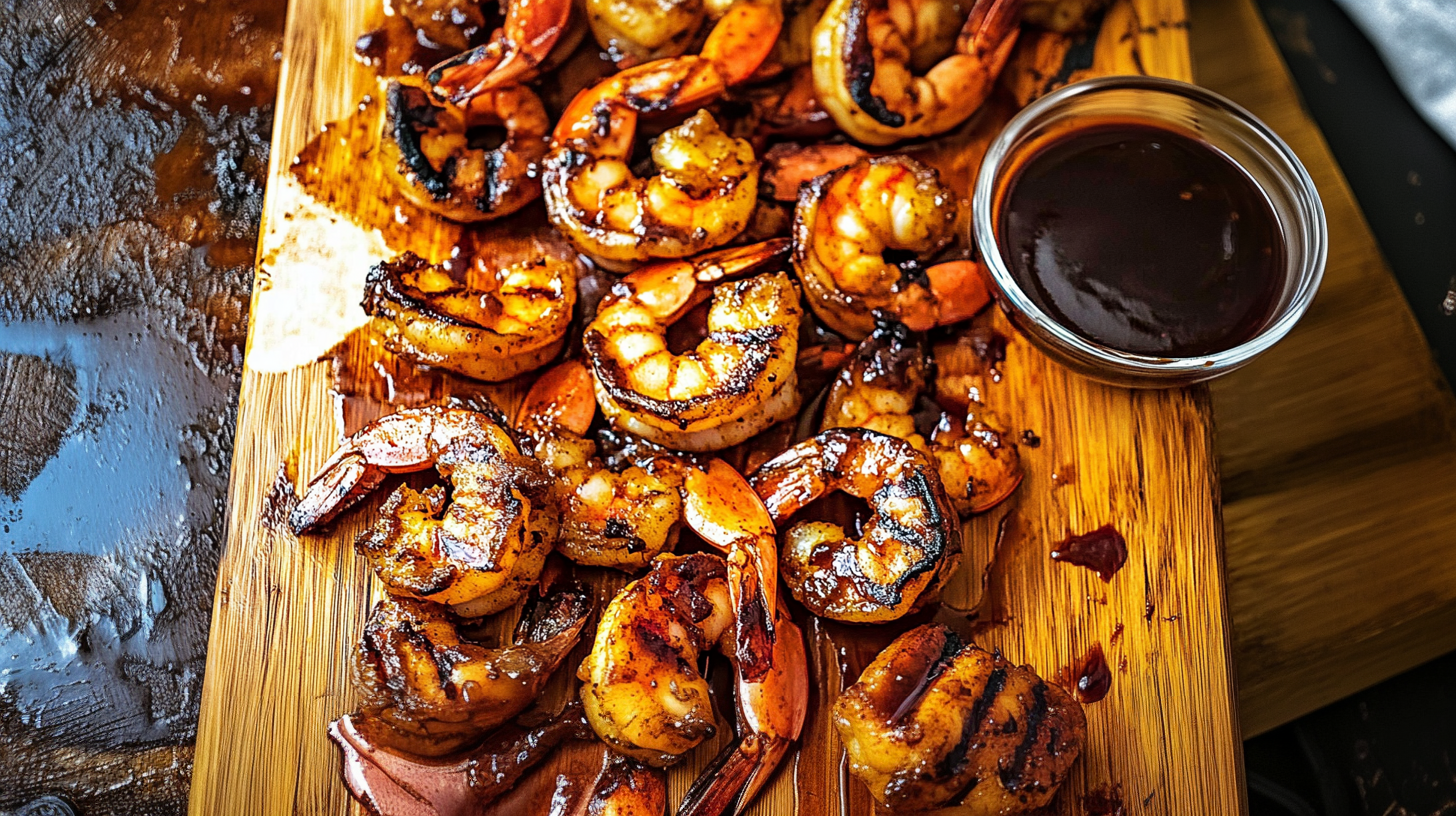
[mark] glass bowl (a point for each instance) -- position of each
(1183, 108)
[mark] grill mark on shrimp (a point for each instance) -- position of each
(859, 64)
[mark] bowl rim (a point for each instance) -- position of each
(1145, 366)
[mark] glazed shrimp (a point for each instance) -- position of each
(878, 388)
(932, 722)
(620, 519)
(440, 24)
(644, 697)
(860, 233)
(866, 54)
(534, 32)
(909, 546)
(478, 555)
(702, 196)
(427, 149)
(432, 691)
(636, 31)
(489, 323)
(739, 380)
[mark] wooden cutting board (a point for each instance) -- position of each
(288, 611)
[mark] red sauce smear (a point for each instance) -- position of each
(1103, 551)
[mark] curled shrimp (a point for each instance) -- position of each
(865, 62)
(480, 553)
(739, 380)
(644, 696)
(908, 547)
(860, 233)
(621, 519)
(702, 196)
(933, 721)
(432, 690)
(638, 31)
(642, 692)
(489, 323)
(427, 149)
(533, 34)
(878, 388)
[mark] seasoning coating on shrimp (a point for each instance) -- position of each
(426, 149)
(621, 519)
(637, 31)
(707, 182)
(867, 53)
(487, 323)
(861, 233)
(739, 380)
(479, 551)
(909, 546)
(934, 722)
(432, 690)
(878, 388)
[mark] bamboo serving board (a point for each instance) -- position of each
(288, 611)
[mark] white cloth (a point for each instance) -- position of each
(1417, 39)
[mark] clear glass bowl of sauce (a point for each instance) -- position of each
(1148, 232)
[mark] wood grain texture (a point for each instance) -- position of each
(288, 610)
(1337, 449)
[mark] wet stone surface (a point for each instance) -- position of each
(135, 143)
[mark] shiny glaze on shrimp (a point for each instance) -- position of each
(633, 32)
(908, 547)
(477, 552)
(644, 696)
(852, 225)
(878, 388)
(489, 323)
(441, 24)
(535, 34)
(707, 182)
(739, 380)
(431, 690)
(867, 54)
(934, 722)
(621, 519)
(427, 150)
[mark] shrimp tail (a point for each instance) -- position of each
(735, 776)
(343, 482)
(990, 32)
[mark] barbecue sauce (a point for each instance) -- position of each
(1143, 239)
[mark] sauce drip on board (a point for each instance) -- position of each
(1103, 551)
(1143, 239)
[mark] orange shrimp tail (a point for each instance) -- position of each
(743, 39)
(610, 107)
(990, 32)
(960, 290)
(561, 397)
(735, 776)
(512, 56)
(344, 481)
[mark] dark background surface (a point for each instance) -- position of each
(134, 138)
(1389, 750)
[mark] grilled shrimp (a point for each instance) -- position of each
(608, 519)
(932, 721)
(645, 698)
(433, 690)
(860, 233)
(638, 31)
(478, 555)
(642, 692)
(487, 323)
(867, 53)
(908, 548)
(739, 380)
(427, 148)
(702, 196)
(534, 34)
(978, 463)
